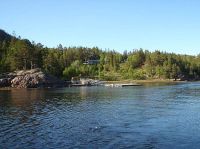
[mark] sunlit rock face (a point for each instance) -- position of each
(33, 78)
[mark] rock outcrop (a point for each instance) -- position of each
(33, 78)
(5, 82)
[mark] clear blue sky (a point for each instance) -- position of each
(166, 25)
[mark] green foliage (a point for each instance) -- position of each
(67, 62)
(136, 59)
(69, 72)
(53, 63)
(21, 54)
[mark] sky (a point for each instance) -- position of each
(165, 25)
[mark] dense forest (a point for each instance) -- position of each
(67, 62)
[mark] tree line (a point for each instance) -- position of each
(67, 62)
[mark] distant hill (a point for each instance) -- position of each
(4, 36)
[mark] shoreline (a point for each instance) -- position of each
(139, 82)
(148, 81)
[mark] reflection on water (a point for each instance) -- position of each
(150, 116)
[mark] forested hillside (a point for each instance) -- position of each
(67, 62)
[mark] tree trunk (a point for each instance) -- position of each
(31, 64)
(25, 64)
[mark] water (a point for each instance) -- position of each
(152, 116)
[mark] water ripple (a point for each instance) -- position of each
(161, 116)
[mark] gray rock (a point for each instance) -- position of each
(33, 78)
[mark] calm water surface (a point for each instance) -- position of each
(151, 116)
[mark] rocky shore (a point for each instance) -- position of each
(33, 78)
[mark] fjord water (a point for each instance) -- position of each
(150, 116)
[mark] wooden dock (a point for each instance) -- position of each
(131, 84)
(122, 85)
(79, 85)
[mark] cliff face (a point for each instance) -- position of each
(33, 78)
